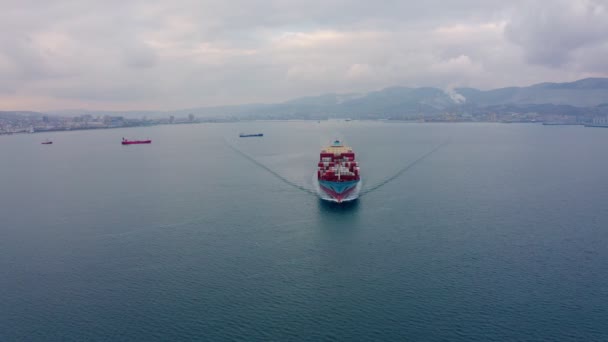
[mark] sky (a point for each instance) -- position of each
(163, 55)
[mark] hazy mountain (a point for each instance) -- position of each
(583, 96)
(583, 93)
(20, 114)
(130, 114)
(327, 99)
(399, 100)
(377, 104)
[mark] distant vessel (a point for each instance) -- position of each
(560, 124)
(47, 142)
(597, 125)
(243, 135)
(133, 142)
(338, 173)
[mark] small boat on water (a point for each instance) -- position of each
(134, 142)
(243, 135)
(47, 142)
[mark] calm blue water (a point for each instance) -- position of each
(499, 235)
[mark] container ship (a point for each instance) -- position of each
(338, 173)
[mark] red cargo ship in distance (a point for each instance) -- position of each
(338, 173)
(134, 142)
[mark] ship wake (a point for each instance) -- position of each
(317, 191)
(271, 171)
(403, 170)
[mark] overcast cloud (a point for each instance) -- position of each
(176, 54)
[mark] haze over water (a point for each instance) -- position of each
(498, 235)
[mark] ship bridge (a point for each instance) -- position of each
(337, 148)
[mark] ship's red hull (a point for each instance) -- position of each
(134, 142)
(339, 197)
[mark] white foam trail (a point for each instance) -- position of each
(404, 169)
(274, 173)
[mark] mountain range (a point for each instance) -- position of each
(586, 96)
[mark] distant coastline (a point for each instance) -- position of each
(70, 129)
(582, 102)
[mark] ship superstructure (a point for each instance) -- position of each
(338, 173)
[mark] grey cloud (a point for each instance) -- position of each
(172, 54)
(28, 61)
(138, 55)
(551, 33)
(591, 59)
(133, 91)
